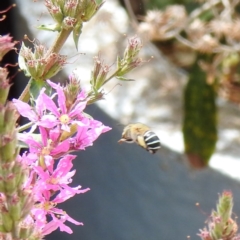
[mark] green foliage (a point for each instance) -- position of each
(36, 86)
(200, 119)
(156, 4)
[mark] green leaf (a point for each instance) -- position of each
(118, 63)
(22, 63)
(36, 86)
(76, 33)
(125, 79)
(50, 27)
(22, 144)
(100, 1)
(200, 117)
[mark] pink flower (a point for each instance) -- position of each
(6, 45)
(87, 134)
(36, 115)
(48, 145)
(58, 217)
(65, 116)
(56, 179)
(58, 222)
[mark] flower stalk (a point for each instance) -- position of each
(221, 225)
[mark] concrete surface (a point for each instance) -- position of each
(136, 195)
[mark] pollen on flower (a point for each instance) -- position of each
(53, 180)
(64, 119)
(47, 205)
(45, 151)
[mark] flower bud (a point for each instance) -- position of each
(70, 8)
(37, 64)
(20, 174)
(8, 148)
(2, 231)
(10, 118)
(132, 50)
(72, 90)
(90, 7)
(10, 184)
(7, 221)
(26, 231)
(2, 120)
(55, 10)
(2, 189)
(130, 59)
(27, 202)
(4, 85)
(69, 22)
(15, 208)
(96, 70)
(221, 225)
(6, 45)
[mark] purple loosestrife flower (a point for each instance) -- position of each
(63, 128)
(52, 181)
(49, 147)
(70, 119)
(87, 134)
(38, 115)
(64, 115)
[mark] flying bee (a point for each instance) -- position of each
(142, 135)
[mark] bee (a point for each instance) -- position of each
(142, 135)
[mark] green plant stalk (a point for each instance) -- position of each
(200, 120)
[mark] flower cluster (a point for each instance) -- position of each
(216, 34)
(62, 129)
(220, 224)
(38, 64)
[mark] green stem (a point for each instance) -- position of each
(24, 127)
(113, 75)
(25, 96)
(59, 41)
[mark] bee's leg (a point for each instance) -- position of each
(125, 140)
(141, 142)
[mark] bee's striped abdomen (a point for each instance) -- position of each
(152, 141)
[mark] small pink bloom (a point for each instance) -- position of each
(38, 115)
(6, 45)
